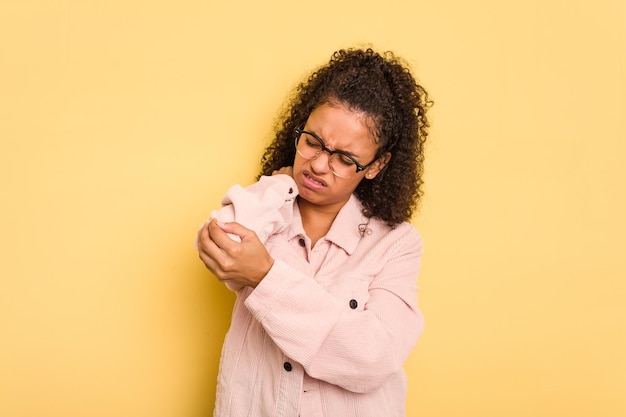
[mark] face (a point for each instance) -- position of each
(341, 129)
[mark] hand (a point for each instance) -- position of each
(284, 170)
(242, 263)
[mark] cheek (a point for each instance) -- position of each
(298, 162)
(347, 185)
(355, 182)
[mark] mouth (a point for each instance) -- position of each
(311, 181)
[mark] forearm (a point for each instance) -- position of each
(355, 349)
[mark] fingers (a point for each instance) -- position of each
(212, 254)
(206, 245)
(242, 263)
(210, 251)
(284, 170)
(209, 262)
(236, 229)
(197, 241)
(221, 241)
(226, 235)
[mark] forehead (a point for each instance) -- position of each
(342, 128)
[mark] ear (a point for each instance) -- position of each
(375, 169)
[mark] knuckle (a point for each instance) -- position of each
(228, 266)
(236, 251)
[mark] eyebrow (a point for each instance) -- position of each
(315, 135)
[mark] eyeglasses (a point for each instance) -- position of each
(343, 165)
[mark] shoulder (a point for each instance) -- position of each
(404, 229)
(402, 237)
(280, 183)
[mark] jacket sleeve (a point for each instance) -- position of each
(266, 207)
(356, 350)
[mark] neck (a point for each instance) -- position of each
(316, 220)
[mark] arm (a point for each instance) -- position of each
(265, 207)
(357, 350)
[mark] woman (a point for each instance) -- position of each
(319, 250)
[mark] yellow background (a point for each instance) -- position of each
(123, 122)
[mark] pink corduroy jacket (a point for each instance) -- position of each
(328, 329)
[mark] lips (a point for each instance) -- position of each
(313, 182)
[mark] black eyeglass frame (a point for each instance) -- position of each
(330, 152)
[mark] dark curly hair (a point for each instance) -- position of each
(382, 87)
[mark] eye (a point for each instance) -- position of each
(345, 160)
(312, 142)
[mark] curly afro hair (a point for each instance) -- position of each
(381, 87)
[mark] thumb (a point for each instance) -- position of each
(235, 229)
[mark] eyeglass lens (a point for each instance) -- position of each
(310, 147)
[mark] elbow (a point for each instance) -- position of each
(373, 375)
(367, 385)
(369, 367)
(374, 371)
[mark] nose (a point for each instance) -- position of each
(321, 164)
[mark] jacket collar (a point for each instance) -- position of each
(349, 226)
(345, 232)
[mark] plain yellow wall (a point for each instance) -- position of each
(123, 122)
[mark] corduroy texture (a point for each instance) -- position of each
(328, 329)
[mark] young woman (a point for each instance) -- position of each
(319, 250)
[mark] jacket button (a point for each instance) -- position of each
(353, 304)
(287, 366)
(302, 242)
(290, 190)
